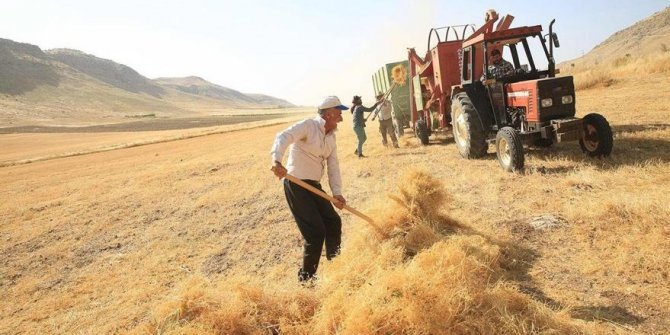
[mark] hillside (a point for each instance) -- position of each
(268, 100)
(199, 86)
(24, 67)
(70, 87)
(645, 38)
(107, 71)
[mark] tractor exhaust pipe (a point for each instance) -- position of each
(552, 62)
(551, 38)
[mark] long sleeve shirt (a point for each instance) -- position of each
(503, 69)
(358, 111)
(311, 149)
(386, 110)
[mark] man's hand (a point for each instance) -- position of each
(279, 170)
(340, 201)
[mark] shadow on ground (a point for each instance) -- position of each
(629, 150)
(615, 314)
(519, 258)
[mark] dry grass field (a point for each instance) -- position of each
(194, 236)
(30, 144)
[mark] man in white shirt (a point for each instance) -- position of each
(386, 120)
(312, 148)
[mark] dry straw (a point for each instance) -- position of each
(399, 74)
(427, 274)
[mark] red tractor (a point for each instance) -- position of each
(456, 87)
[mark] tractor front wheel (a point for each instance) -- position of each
(509, 149)
(598, 139)
(422, 131)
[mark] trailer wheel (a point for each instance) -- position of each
(509, 149)
(469, 135)
(598, 140)
(422, 131)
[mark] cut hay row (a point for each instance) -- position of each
(426, 274)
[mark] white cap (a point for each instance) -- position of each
(332, 101)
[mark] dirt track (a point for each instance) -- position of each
(152, 124)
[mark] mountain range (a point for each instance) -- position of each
(62, 85)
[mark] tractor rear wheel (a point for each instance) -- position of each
(422, 131)
(509, 149)
(469, 135)
(598, 140)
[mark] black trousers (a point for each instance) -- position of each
(318, 223)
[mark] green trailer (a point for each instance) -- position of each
(382, 80)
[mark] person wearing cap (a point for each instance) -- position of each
(312, 149)
(359, 122)
(386, 120)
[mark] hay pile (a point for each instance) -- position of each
(426, 274)
(399, 74)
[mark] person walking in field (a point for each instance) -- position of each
(312, 149)
(386, 120)
(359, 122)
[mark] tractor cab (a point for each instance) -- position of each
(524, 48)
(523, 93)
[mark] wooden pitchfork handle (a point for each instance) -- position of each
(324, 195)
(386, 95)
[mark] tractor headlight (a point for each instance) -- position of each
(566, 99)
(547, 102)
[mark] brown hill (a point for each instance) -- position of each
(268, 100)
(645, 38)
(199, 86)
(107, 71)
(24, 67)
(64, 86)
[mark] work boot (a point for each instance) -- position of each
(395, 145)
(362, 156)
(304, 276)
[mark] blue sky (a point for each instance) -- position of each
(297, 50)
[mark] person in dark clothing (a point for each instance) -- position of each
(312, 149)
(359, 122)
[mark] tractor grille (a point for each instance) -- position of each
(556, 89)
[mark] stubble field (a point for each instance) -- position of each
(101, 242)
